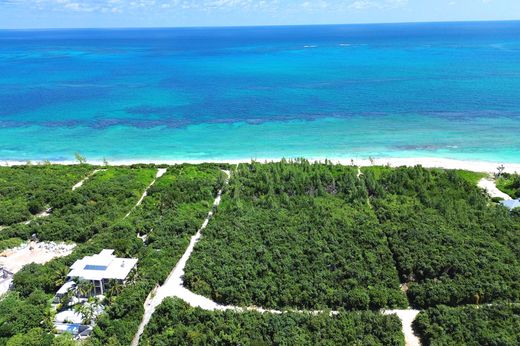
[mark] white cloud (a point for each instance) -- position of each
(116, 6)
(378, 4)
(316, 4)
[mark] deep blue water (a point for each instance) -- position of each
(447, 90)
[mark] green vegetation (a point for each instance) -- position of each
(450, 246)
(175, 323)
(19, 316)
(93, 215)
(28, 190)
(290, 235)
(77, 215)
(10, 243)
(171, 213)
(510, 184)
(310, 236)
(471, 177)
(295, 236)
(470, 325)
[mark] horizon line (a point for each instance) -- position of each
(257, 26)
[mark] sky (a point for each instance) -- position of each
(22, 14)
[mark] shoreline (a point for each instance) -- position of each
(427, 162)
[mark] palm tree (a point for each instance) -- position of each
(85, 288)
(48, 320)
(114, 289)
(66, 299)
(61, 275)
(86, 311)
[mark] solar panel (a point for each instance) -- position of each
(94, 267)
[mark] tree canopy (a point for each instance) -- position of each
(175, 323)
(470, 325)
(28, 190)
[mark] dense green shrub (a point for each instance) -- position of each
(18, 316)
(78, 215)
(295, 235)
(27, 190)
(175, 323)
(10, 243)
(301, 235)
(34, 277)
(510, 184)
(469, 325)
(172, 212)
(450, 245)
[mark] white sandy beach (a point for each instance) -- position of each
(428, 162)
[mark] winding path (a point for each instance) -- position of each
(160, 173)
(490, 187)
(173, 285)
(48, 211)
(407, 317)
(80, 184)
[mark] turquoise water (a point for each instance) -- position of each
(448, 90)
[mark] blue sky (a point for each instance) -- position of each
(159, 13)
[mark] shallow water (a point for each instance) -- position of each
(447, 90)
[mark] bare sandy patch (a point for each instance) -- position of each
(490, 187)
(406, 317)
(33, 252)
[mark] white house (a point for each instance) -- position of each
(101, 268)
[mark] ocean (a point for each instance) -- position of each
(440, 90)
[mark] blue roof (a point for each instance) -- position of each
(511, 204)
